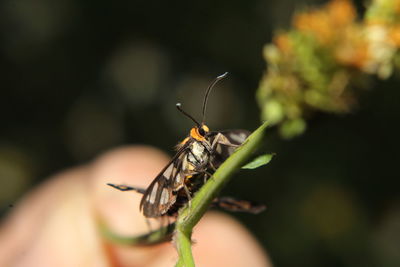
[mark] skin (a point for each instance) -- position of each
(56, 223)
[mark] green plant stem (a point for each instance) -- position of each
(184, 248)
(191, 214)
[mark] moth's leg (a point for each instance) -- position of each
(221, 139)
(206, 175)
(204, 169)
(187, 192)
(212, 166)
(188, 195)
(215, 141)
(209, 176)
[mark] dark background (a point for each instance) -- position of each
(81, 77)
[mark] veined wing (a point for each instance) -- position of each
(161, 195)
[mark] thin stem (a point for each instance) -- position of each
(184, 248)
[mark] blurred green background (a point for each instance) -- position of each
(81, 77)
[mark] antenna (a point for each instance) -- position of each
(179, 107)
(220, 77)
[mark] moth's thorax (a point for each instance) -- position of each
(197, 157)
(198, 149)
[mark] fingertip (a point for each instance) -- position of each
(222, 241)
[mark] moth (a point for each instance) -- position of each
(197, 157)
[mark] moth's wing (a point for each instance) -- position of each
(158, 198)
(160, 195)
(178, 177)
(236, 205)
(222, 151)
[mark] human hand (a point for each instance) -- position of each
(56, 224)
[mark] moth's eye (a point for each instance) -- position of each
(202, 132)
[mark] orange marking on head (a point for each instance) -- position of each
(194, 133)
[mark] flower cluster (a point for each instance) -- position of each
(323, 60)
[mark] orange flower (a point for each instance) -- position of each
(341, 12)
(282, 41)
(353, 50)
(394, 35)
(316, 23)
(325, 23)
(397, 7)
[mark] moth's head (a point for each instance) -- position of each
(199, 132)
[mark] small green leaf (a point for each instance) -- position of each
(259, 161)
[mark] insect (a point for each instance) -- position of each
(197, 157)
